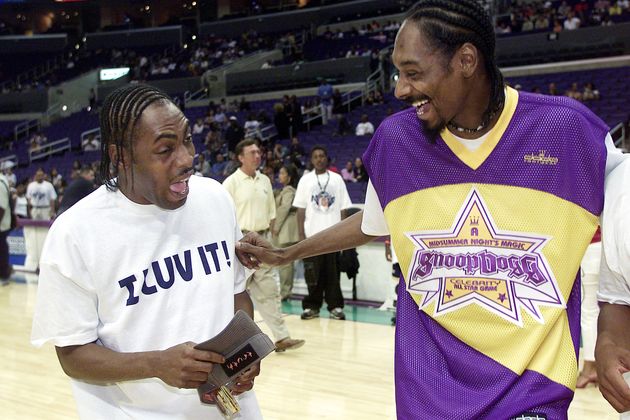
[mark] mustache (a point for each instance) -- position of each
(186, 171)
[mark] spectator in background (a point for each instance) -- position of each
(234, 134)
(360, 174)
(252, 127)
(343, 126)
(243, 105)
(542, 22)
(590, 93)
(202, 167)
(321, 199)
(232, 164)
(81, 187)
(56, 178)
(41, 196)
(285, 229)
(337, 102)
(198, 127)
(574, 92)
(365, 127)
(280, 152)
(90, 144)
(325, 92)
(280, 120)
(553, 89)
(7, 169)
(218, 167)
(557, 26)
(347, 173)
(21, 203)
(296, 149)
(572, 22)
(294, 113)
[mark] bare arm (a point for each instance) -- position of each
(301, 215)
(244, 302)
(345, 234)
(181, 366)
(612, 354)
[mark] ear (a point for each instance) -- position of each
(467, 59)
(117, 160)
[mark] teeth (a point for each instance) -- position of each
(420, 103)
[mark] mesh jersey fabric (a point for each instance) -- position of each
(489, 243)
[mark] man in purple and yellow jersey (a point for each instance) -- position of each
(491, 197)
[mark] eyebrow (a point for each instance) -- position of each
(172, 136)
(409, 63)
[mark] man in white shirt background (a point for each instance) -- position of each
(256, 212)
(41, 196)
(321, 199)
(365, 127)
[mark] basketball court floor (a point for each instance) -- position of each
(345, 370)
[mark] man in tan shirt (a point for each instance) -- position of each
(256, 212)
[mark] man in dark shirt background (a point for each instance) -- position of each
(79, 188)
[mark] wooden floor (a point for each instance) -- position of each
(345, 371)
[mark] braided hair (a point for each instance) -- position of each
(119, 116)
(448, 24)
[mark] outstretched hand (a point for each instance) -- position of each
(612, 362)
(255, 250)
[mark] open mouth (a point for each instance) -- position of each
(422, 107)
(180, 188)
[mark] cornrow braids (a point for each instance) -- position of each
(449, 24)
(119, 116)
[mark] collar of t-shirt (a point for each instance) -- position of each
(472, 144)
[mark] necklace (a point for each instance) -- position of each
(484, 123)
(322, 190)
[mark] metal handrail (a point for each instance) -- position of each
(96, 131)
(10, 158)
(47, 149)
(25, 128)
(268, 132)
(618, 134)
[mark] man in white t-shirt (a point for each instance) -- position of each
(135, 274)
(41, 196)
(365, 127)
(321, 199)
(612, 352)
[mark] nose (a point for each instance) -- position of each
(185, 156)
(402, 89)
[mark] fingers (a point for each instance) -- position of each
(248, 260)
(207, 356)
(616, 390)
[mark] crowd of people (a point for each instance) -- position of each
(558, 17)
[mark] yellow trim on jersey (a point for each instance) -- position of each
(474, 158)
(543, 347)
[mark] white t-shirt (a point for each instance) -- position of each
(139, 278)
(374, 224)
(323, 197)
(21, 207)
(364, 128)
(40, 194)
(5, 192)
(614, 276)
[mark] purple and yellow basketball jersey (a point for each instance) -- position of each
(489, 244)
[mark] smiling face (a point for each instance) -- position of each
(162, 163)
(428, 80)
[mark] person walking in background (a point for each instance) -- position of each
(78, 189)
(285, 230)
(256, 212)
